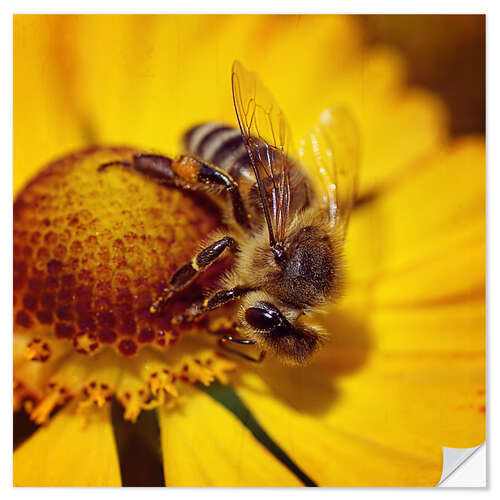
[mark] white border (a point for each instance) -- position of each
(256, 6)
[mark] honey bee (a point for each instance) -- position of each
(285, 225)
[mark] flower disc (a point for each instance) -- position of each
(92, 249)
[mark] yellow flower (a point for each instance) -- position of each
(403, 372)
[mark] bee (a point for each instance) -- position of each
(286, 225)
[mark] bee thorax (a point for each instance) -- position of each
(308, 273)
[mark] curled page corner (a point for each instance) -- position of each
(453, 458)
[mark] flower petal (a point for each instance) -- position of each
(151, 81)
(73, 450)
(434, 249)
(48, 120)
(397, 124)
(104, 87)
(382, 426)
(205, 445)
(404, 373)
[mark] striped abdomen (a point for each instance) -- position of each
(223, 147)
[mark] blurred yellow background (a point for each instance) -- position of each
(412, 82)
(141, 80)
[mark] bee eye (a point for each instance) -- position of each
(263, 318)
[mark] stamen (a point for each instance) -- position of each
(57, 397)
(38, 350)
(86, 343)
(144, 382)
(194, 371)
(160, 378)
(103, 381)
(97, 393)
(220, 366)
(164, 382)
(133, 395)
(206, 370)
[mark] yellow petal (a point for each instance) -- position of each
(151, 82)
(205, 445)
(404, 373)
(102, 86)
(398, 124)
(48, 122)
(384, 425)
(72, 450)
(424, 239)
(105, 87)
(455, 327)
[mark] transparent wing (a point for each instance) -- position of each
(330, 151)
(267, 138)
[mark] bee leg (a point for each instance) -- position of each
(154, 167)
(223, 344)
(210, 177)
(215, 301)
(187, 273)
(104, 166)
(189, 173)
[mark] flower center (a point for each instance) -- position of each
(91, 252)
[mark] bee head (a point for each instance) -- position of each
(277, 331)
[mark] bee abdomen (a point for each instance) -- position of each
(221, 145)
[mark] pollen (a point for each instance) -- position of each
(56, 397)
(92, 250)
(38, 350)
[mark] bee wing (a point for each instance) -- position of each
(331, 150)
(267, 138)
